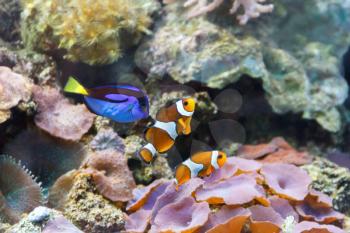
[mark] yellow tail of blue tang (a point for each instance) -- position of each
(73, 86)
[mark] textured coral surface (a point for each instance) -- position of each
(87, 31)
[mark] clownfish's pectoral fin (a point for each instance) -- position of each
(185, 125)
(180, 126)
(210, 170)
(73, 86)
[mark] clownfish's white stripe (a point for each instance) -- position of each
(195, 168)
(151, 148)
(214, 159)
(180, 108)
(169, 127)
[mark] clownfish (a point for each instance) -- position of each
(121, 103)
(201, 164)
(170, 122)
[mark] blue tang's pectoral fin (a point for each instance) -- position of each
(116, 98)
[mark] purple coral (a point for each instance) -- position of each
(241, 191)
(252, 8)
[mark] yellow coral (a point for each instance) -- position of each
(89, 31)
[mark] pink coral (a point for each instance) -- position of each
(317, 207)
(170, 195)
(252, 8)
(111, 175)
(138, 221)
(236, 190)
(265, 220)
(313, 227)
(13, 89)
(60, 118)
(276, 151)
(227, 219)
(183, 216)
(283, 208)
(287, 181)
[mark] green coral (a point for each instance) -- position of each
(89, 31)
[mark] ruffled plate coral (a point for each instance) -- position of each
(287, 181)
(276, 151)
(19, 191)
(235, 200)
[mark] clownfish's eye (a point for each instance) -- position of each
(220, 157)
(185, 103)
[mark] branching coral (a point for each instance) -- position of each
(19, 191)
(233, 197)
(252, 8)
(87, 31)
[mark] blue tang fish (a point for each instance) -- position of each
(121, 103)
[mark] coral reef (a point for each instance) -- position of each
(252, 8)
(332, 180)
(89, 210)
(241, 190)
(90, 32)
(13, 89)
(60, 118)
(43, 220)
(19, 191)
(198, 50)
(276, 151)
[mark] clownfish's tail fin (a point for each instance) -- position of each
(73, 86)
(147, 153)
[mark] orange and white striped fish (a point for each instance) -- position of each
(170, 122)
(200, 164)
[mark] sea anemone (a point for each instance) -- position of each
(19, 191)
(93, 32)
(47, 157)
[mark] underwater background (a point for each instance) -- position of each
(176, 116)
